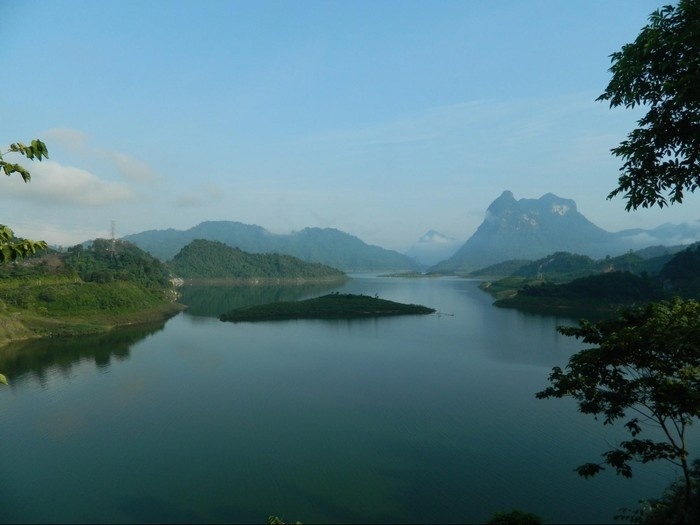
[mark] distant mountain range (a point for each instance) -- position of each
(525, 229)
(319, 245)
(533, 228)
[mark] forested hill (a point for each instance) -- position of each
(102, 261)
(86, 289)
(203, 259)
(319, 245)
(565, 282)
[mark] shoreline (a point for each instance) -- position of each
(20, 326)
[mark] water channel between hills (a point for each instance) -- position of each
(415, 419)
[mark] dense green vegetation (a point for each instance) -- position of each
(562, 267)
(84, 290)
(103, 261)
(681, 275)
(596, 296)
(331, 306)
(568, 284)
(203, 259)
(114, 260)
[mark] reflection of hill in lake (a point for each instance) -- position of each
(62, 354)
(212, 301)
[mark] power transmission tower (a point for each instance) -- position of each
(113, 243)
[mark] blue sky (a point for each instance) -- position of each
(384, 119)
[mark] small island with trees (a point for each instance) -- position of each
(331, 306)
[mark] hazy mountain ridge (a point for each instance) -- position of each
(534, 228)
(525, 229)
(319, 245)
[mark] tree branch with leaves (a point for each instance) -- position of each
(12, 248)
(660, 70)
(644, 369)
(35, 151)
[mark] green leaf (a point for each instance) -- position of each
(15, 168)
(3, 379)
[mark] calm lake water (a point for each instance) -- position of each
(419, 419)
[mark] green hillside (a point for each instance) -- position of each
(602, 288)
(560, 267)
(83, 290)
(203, 259)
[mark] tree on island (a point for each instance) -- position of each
(12, 248)
(644, 366)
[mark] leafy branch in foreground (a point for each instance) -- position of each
(35, 151)
(660, 70)
(11, 248)
(644, 369)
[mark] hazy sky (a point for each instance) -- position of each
(384, 119)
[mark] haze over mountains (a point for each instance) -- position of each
(433, 247)
(319, 245)
(512, 229)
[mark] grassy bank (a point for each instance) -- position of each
(48, 307)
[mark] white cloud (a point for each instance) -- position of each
(71, 139)
(130, 168)
(57, 235)
(76, 142)
(200, 196)
(53, 183)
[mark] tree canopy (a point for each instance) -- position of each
(12, 248)
(203, 259)
(660, 70)
(644, 368)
